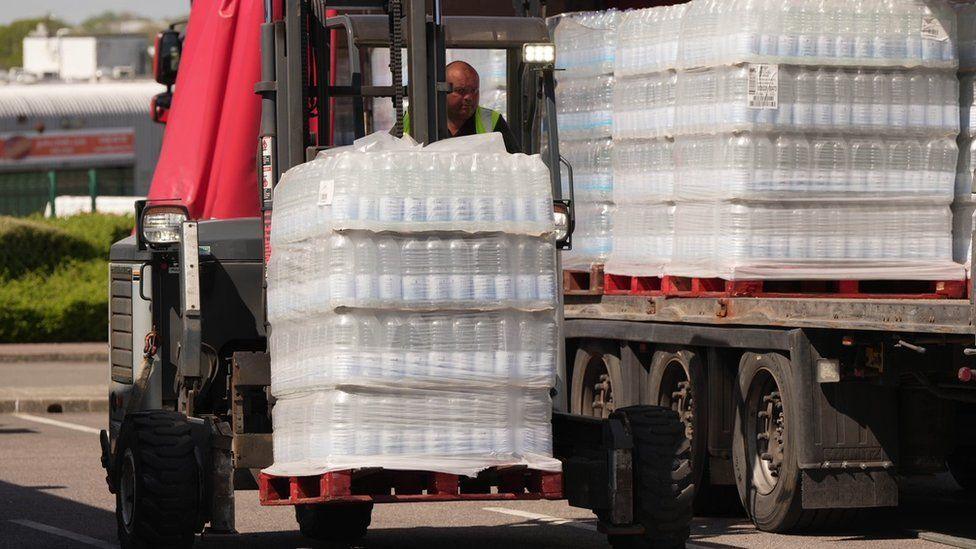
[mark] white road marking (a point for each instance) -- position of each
(65, 534)
(562, 521)
(542, 518)
(56, 423)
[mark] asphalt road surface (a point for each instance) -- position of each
(53, 494)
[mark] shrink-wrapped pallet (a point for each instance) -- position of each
(411, 296)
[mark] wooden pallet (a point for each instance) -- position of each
(388, 486)
(583, 282)
(677, 286)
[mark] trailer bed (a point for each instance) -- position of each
(933, 316)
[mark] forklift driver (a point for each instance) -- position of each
(464, 115)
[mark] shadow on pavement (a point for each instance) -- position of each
(39, 504)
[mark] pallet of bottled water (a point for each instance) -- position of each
(411, 296)
(460, 431)
(703, 33)
(816, 241)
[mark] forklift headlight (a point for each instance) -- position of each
(539, 53)
(560, 216)
(161, 224)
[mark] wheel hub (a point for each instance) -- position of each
(770, 443)
(683, 402)
(603, 396)
(127, 490)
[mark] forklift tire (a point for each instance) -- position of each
(962, 467)
(336, 522)
(158, 495)
(663, 487)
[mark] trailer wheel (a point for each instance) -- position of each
(596, 371)
(158, 496)
(336, 522)
(764, 450)
(663, 488)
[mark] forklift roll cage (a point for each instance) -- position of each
(298, 89)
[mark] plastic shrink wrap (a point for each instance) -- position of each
(875, 33)
(783, 240)
(426, 338)
(586, 46)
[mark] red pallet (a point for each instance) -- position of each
(677, 286)
(632, 285)
(386, 486)
(583, 282)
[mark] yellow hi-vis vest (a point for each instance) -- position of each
(484, 121)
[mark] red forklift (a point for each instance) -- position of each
(190, 408)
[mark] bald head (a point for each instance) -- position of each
(463, 101)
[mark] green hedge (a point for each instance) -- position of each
(54, 277)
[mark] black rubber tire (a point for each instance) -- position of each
(167, 499)
(588, 355)
(962, 467)
(663, 479)
(339, 522)
(779, 509)
(664, 360)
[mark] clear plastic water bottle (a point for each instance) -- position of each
(545, 262)
(345, 201)
(828, 16)
(415, 353)
(526, 269)
(484, 204)
(917, 100)
(462, 188)
(864, 28)
(881, 108)
(415, 262)
(863, 99)
(462, 269)
(826, 96)
(808, 29)
(898, 116)
(789, 29)
(806, 96)
(486, 344)
(463, 347)
(390, 279)
(487, 261)
(342, 284)
(438, 270)
(504, 271)
(419, 166)
(843, 100)
(366, 264)
(396, 338)
(439, 360)
(438, 187)
(392, 176)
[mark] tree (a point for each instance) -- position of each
(12, 38)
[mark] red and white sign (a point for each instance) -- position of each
(64, 146)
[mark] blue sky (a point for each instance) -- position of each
(75, 11)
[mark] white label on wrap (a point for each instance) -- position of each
(763, 86)
(932, 29)
(326, 192)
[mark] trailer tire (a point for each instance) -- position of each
(597, 362)
(336, 522)
(663, 488)
(773, 505)
(158, 481)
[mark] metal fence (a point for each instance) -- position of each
(25, 193)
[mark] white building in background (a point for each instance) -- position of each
(72, 57)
